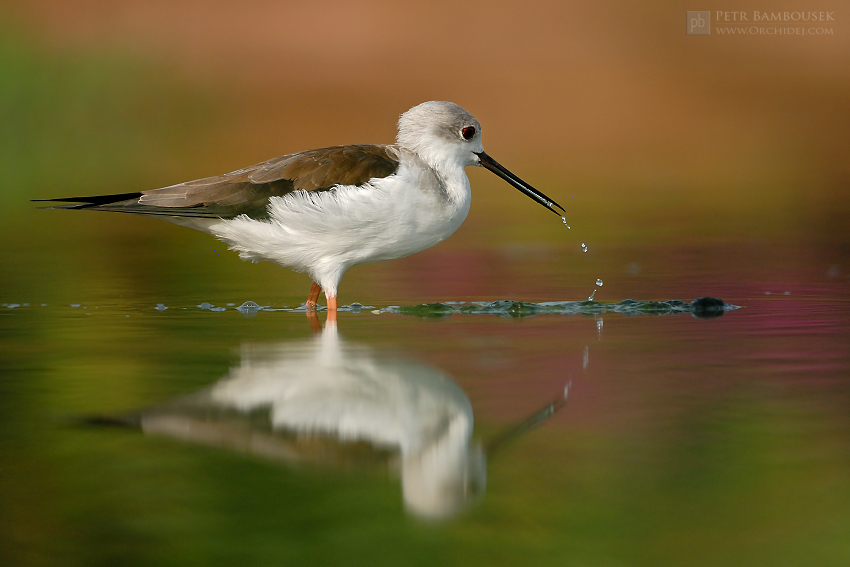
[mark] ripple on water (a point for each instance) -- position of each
(702, 307)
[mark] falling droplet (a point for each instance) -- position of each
(565, 222)
(599, 282)
(591, 295)
(583, 247)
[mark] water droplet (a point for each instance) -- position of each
(160, 307)
(205, 305)
(591, 295)
(599, 282)
(583, 247)
(75, 305)
(565, 222)
(218, 309)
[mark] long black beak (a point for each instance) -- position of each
(486, 161)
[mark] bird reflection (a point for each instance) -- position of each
(328, 401)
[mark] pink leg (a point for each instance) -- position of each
(315, 289)
(332, 308)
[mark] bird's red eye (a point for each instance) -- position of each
(468, 133)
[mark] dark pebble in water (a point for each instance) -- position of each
(707, 307)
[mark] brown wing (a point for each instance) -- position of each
(247, 191)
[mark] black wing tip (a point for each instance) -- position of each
(77, 206)
(90, 201)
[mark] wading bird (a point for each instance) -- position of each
(322, 211)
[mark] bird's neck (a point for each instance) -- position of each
(449, 168)
(450, 173)
(454, 179)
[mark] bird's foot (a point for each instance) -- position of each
(315, 290)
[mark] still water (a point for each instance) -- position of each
(180, 429)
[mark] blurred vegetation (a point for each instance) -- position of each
(83, 123)
(88, 122)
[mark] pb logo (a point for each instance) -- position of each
(698, 23)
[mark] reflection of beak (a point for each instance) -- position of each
(486, 161)
(534, 420)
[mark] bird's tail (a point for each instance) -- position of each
(89, 202)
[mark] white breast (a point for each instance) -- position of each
(325, 233)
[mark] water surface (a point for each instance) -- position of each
(683, 440)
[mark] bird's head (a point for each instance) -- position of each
(445, 136)
(440, 132)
